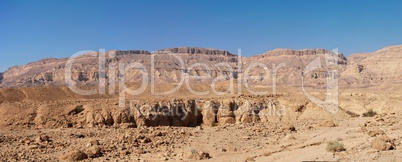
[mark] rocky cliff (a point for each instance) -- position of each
(382, 66)
(131, 52)
(85, 68)
(195, 50)
(285, 67)
(289, 66)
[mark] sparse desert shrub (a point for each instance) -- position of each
(352, 114)
(300, 108)
(335, 146)
(76, 110)
(369, 113)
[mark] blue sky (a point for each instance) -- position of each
(32, 30)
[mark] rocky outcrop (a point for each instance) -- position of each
(382, 143)
(209, 111)
(131, 52)
(288, 66)
(167, 113)
(85, 68)
(42, 72)
(102, 113)
(355, 58)
(283, 67)
(304, 52)
(107, 117)
(382, 66)
(195, 50)
(179, 112)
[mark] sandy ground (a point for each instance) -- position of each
(30, 131)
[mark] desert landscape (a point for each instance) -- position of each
(43, 119)
(214, 81)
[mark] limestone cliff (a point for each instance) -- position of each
(382, 66)
(195, 50)
(284, 67)
(290, 65)
(85, 68)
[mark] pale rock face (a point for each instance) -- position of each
(195, 50)
(85, 68)
(355, 58)
(382, 66)
(284, 67)
(208, 113)
(288, 66)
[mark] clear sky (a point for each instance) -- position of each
(32, 30)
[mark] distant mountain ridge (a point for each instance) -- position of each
(381, 66)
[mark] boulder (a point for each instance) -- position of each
(75, 155)
(382, 143)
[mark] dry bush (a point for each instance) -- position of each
(335, 146)
(352, 114)
(369, 113)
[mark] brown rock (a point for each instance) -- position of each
(375, 132)
(226, 120)
(42, 138)
(75, 155)
(289, 127)
(93, 152)
(94, 143)
(208, 113)
(197, 155)
(382, 143)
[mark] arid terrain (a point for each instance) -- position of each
(42, 119)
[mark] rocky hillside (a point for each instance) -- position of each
(291, 64)
(382, 66)
(85, 68)
(286, 65)
(194, 50)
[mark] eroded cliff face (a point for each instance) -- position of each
(382, 66)
(170, 68)
(287, 67)
(85, 68)
(283, 67)
(195, 50)
(147, 112)
(131, 52)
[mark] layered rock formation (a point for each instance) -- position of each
(85, 68)
(131, 52)
(158, 112)
(287, 67)
(283, 67)
(195, 50)
(382, 66)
